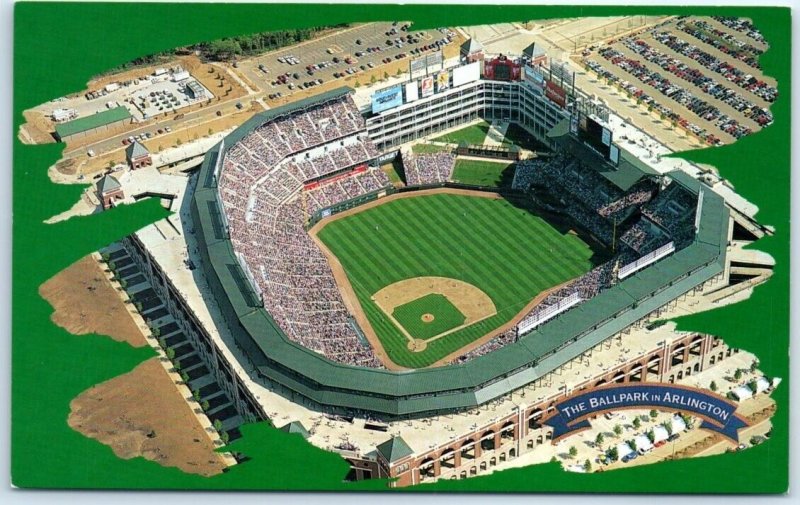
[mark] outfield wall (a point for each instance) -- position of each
(298, 372)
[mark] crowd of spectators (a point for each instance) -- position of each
(428, 168)
(705, 83)
(674, 210)
(259, 187)
(722, 41)
(345, 188)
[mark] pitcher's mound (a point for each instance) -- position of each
(427, 318)
(417, 345)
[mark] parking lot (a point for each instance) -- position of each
(700, 74)
(363, 50)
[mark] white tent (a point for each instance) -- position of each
(659, 434)
(643, 444)
(762, 384)
(623, 449)
(677, 424)
(743, 393)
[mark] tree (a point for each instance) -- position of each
(637, 423)
(617, 430)
(553, 460)
(651, 436)
(170, 353)
(713, 386)
(653, 413)
(668, 426)
(399, 73)
(753, 386)
(211, 131)
(613, 454)
(155, 332)
(753, 366)
(112, 265)
(105, 257)
(196, 395)
(736, 375)
(184, 377)
(573, 451)
(587, 466)
(138, 306)
(632, 443)
(205, 405)
(123, 283)
(373, 80)
(599, 439)
(225, 437)
(179, 142)
(386, 75)
(217, 425)
(357, 85)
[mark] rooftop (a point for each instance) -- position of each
(94, 121)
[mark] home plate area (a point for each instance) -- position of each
(429, 308)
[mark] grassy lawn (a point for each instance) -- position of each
(506, 251)
(474, 134)
(392, 170)
(429, 149)
(484, 173)
(446, 316)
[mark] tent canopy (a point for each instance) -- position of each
(743, 393)
(660, 434)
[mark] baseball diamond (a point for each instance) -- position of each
(482, 240)
(429, 316)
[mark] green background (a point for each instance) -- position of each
(59, 46)
(509, 253)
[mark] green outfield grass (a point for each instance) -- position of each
(506, 251)
(484, 173)
(473, 134)
(446, 316)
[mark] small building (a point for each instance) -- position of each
(295, 427)
(535, 55)
(112, 120)
(180, 75)
(195, 90)
(138, 156)
(109, 191)
(471, 50)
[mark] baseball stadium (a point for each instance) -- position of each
(364, 304)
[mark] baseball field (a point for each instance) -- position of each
(477, 262)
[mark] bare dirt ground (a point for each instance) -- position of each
(86, 302)
(141, 413)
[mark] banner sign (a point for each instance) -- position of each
(442, 81)
(387, 99)
(427, 86)
(718, 413)
(556, 94)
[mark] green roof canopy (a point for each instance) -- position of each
(394, 449)
(94, 121)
